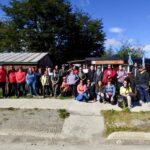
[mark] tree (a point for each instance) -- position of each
(51, 26)
(109, 52)
(126, 47)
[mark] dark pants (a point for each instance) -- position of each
(119, 85)
(46, 90)
(2, 85)
(32, 89)
(20, 89)
(55, 89)
(73, 89)
(143, 91)
(12, 89)
(38, 87)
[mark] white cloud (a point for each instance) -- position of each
(116, 30)
(146, 48)
(112, 42)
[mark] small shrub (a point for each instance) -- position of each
(63, 113)
(12, 109)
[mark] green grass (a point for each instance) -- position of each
(126, 121)
(63, 114)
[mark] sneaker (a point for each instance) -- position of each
(148, 104)
(141, 102)
(129, 107)
(104, 102)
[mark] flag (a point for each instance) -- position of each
(143, 61)
(130, 61)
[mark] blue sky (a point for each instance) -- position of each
(124, 20)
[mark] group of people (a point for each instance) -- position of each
(84, 83)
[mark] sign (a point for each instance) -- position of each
(107, 62)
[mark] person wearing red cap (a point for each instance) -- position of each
(3, 80)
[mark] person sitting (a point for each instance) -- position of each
(126, 93)
(91, 90)
(109, 91)
(100, 92)
(64, 88)
(81, 90)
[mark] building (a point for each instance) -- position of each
(25, 60)
(115, 61)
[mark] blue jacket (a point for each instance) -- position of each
(30, 78)
(110, 89)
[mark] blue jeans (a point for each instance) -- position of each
(82, 97)
(32, 89)
(20, 89)
(143, 92)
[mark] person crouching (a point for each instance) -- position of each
(109, 91)
(81, 90)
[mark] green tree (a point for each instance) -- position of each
(109, 52)
(51, 26)
(125, 48)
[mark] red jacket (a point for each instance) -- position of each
(20, 77)
(108, 74)
(2, 75)
(12, 77)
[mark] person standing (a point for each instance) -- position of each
(30, 80)
(109, 74)
(45, 80)
(12, 83)
(142, 84)
(3, 80)
(134, 73)
(55, 82)
(121, 75)
(81, 74)
(62, 72)
(72, 81)
(91, 74)
(98, 75)
(20, 78)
